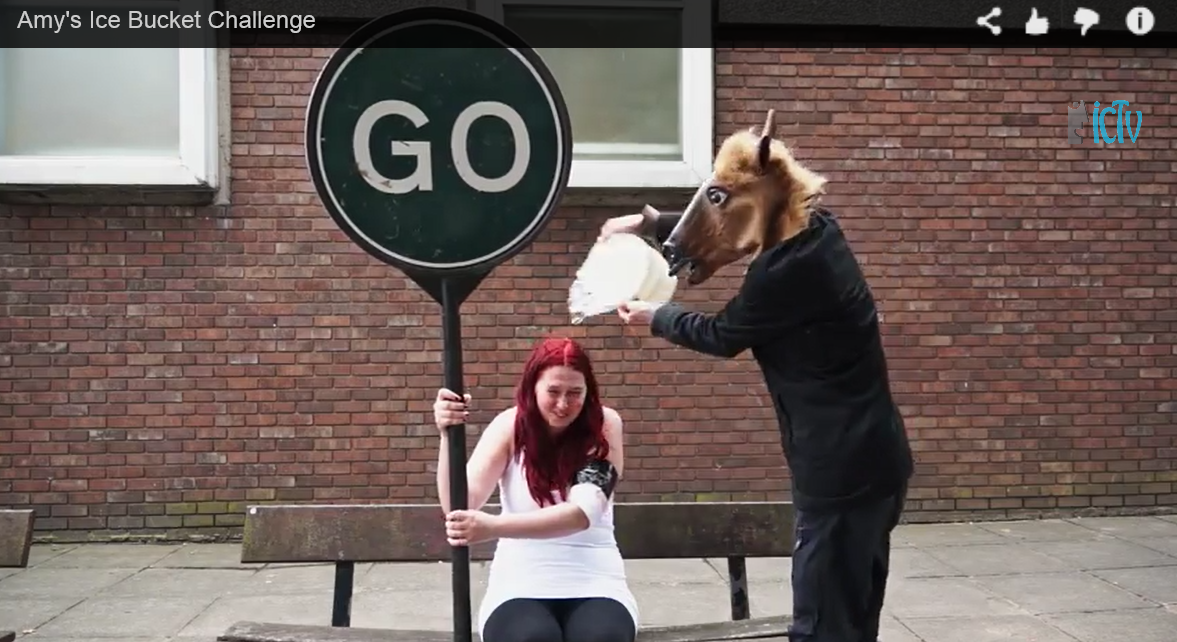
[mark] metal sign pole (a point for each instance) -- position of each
(451, 330)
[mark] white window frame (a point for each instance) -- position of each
(195, 166)
(696, 104)
(696, 109)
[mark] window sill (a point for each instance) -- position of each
(97, 171)
(613, 174)
(111, 195)
(628, 198)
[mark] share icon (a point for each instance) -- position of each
(983, 21)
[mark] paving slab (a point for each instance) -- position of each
(24, 614)
(682, 604)
(996, 559)
(1045, 530)
(766, 599)
(431, 609)
(109, 556)
(1128, 527)
(42, 582)
(917, 562)
(287, 609)
(1166, 545)
(173, 582)
(924, 597)
(417, 576)
(117, 617)
(1104, 554)
(205, 556)
(1156, 625)
(44, 552)
(1157, 584)
(994, 628)
(944, 535)
(1063, 593)
(892, 630)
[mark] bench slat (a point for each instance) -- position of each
(414, 532)
(692, 530)
(752, 629)
(269, 632)
(16, 537)
(355, 533)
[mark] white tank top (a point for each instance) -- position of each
(584, 564)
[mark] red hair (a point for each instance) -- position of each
(551, 461)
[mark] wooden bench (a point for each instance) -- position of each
(16, 538)
(347, 534)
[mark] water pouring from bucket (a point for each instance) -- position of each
(621, 269)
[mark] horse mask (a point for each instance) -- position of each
(757, 196)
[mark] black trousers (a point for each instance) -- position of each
(592, 619)
(840, 564)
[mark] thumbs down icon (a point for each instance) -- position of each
(1086, 19)
(1037, 25)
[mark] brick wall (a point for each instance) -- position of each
(161, 367)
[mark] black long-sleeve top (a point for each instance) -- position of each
(807, 314)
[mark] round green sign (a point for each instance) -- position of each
(438, 159)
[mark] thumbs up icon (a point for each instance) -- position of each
(1036, 25)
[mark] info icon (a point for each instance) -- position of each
(1140, 20)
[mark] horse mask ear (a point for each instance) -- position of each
(766, 135)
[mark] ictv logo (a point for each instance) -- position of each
(1077, 118)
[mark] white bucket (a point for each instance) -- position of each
(621, 269)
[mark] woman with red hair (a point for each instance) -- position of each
(556, 456)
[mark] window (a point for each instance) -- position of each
(122, 117)
(641, 117)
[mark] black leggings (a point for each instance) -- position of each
(592, 619)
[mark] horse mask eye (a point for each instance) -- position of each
(717, 196)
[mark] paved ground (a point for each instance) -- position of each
(1086, 580)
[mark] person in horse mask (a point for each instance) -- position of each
(807, 315)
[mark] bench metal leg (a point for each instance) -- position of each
(737, 577)
(345, 573)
